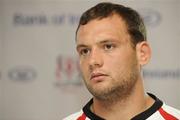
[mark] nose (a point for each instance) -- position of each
(95, 60)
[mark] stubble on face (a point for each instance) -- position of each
(120, 88)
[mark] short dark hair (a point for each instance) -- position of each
(133, 20)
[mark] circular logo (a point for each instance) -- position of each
(22, 73)
(151, 17)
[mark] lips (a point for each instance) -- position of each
(98, 76)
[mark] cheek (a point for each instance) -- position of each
(118, 64)
(114, 61)
(83, 67)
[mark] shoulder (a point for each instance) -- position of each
(74, 116)
(170, 110)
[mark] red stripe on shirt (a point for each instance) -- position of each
(166, 115)
(82, 117)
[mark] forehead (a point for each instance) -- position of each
(112, 26)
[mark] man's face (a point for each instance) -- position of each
(108, 62)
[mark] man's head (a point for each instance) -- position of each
(134, 22)
(111, 50)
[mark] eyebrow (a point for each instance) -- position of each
(80, 46)
(100, 42)
(106, 41)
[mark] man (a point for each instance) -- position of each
(112, 48)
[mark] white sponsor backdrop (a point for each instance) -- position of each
(39, 77)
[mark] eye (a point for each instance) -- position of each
(84, 51)
(108, 46)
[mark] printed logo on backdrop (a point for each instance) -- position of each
(151, 17)
(162, 74)
(38, 19)
(22, 73)
(67, 71)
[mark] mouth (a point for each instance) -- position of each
(98, 76)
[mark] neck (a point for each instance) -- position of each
(125, 108)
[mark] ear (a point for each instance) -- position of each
(143, 52)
